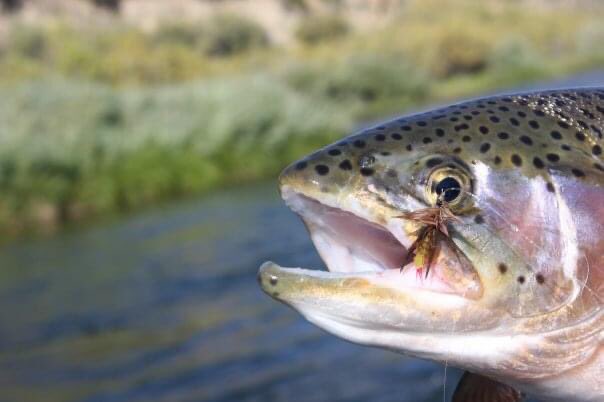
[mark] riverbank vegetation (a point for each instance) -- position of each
(99, 120)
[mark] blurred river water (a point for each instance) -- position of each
(164, 306)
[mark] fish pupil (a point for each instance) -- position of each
(450, 189)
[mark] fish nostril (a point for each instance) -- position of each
(366, 161)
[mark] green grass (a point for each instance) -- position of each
(81, 149)
(145, 117)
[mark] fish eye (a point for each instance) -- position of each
(448, 189)
(449, 183)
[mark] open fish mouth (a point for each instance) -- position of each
(353, 247)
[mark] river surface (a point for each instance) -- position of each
(164, 306)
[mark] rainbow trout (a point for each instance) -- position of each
(471, 234)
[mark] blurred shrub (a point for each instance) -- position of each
(179, 34)
(10, 5)
(590, 39)
(84, 149)
(295, 5)
(29, 42)
(513, 51)
(228, 34)
(460, 52)
(113, 5)
(315, 29)
(383, 82)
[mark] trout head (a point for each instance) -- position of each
(514, 287)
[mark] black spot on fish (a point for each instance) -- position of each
(367, 171)
(462, 126)
(406, 128)
(580, 136)
(540, 279)
(440, 132)
(563, 124)
(334, 152)
(503, 135)
(565, 147)
(538, 163)
(556, 135)
(478, 219)
(359, 144)
(385, 153)
(427, 140)
(596, 150)
(466, 138)
(550, 187)
(534, 124)
(526, 140)
(457, 150)
(345, 165)
(409, 147)
(484, 129)
(422, 123)
(494, 119)
(502, 268)
(521, 279)
(514, 121)
(553, 157)
(578, 172)
(485, 147)
(516, 160)
(520, 113)
(322, 170)
(396, 136)
(380, 137)
(301, 165)
(497, 160)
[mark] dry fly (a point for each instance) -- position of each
(429, 236)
